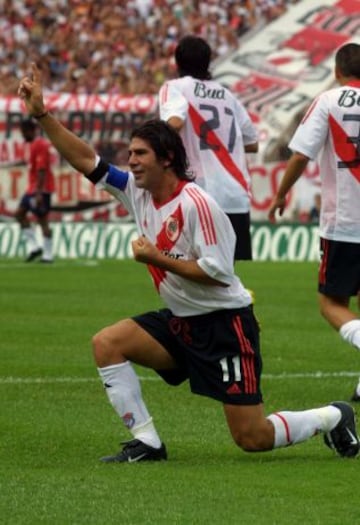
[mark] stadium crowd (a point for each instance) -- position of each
(116, 46)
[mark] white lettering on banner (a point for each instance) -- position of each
(85, 103)
(75, 240)
(285, 242)
(11, 243)
(94, 240)
(298, 246)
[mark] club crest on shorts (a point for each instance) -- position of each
(172, 228)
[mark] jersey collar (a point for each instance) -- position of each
(354, 83)
(178, 189)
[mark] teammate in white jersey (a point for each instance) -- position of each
(331, 127)
(216, 131)
(208, 333)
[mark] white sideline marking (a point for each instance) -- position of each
(55, 264)
(283, 375)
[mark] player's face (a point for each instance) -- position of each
(147, 169)
(28, 135)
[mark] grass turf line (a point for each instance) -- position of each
(52, 434)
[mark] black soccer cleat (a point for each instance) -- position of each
(134, 451)
(343, 438)
(34, 255)
(355, 397)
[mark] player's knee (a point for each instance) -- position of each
(98, 344)
(246, 442)
(323, 309)
(253, 440)
(104, 347)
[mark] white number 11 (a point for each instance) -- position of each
(226, 363)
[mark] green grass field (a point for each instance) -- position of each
(55, 421)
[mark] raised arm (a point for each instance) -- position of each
(77, 152)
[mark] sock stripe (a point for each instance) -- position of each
(286, 426)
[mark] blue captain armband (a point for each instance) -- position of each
(115, 177)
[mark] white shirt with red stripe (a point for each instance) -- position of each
(216, 128)
(188, 226)
(331, 129)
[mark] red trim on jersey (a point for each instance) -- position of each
(206, 220)
(309, 111)
(324, 261)
(247, 358)
(164, 93)
(344, 149)
(285, 423)
(178, 189)
(166, 240)
(220, 151)
(353, 83)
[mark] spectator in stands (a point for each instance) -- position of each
(82, 45)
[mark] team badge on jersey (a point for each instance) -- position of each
(172, 228)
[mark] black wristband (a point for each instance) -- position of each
(101, 169)
(40, 116)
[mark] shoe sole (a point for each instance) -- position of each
(353, 448)
(34, 255)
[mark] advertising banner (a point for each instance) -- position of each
(75, 240)
(285, 242)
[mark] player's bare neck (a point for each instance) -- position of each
(166, 191)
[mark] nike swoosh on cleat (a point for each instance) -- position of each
(137, 458)
(353, 441)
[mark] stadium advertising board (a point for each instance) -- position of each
(108, 240)
(89, 240)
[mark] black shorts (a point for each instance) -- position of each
(241, 224)
(28, 203)
(218, 352)
(339, 272)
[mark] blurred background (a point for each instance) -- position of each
(103, 63)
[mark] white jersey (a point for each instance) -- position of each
(216, 128)
(189, 226)
(331, 127)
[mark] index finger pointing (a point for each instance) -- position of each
(36, 74)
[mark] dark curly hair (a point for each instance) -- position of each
(347, 60)
(167, 145)
(192, 56)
